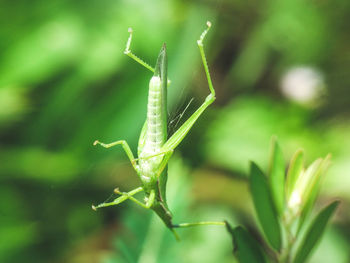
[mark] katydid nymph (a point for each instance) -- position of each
(154, 148)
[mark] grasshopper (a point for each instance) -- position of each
(154, 148)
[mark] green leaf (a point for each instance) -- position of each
(246, 248)
(294, 171)
(314, 233)
(264, 206)
(276, 175)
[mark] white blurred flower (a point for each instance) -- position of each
(304, 85)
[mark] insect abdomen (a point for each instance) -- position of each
(156, 131)
(155, 136)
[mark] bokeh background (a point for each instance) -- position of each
(279, 68)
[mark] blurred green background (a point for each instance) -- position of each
(279, 68)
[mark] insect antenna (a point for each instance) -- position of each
(111, 197)
(174, 121)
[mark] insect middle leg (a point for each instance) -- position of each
(148, 203)
(125, 146)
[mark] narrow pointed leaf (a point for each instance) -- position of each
(314, 233)
(294, 171)
(276, 176)
(264, 206)
(246, 248)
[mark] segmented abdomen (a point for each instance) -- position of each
(156, 121)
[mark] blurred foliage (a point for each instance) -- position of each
(65, 82)
(283, 200)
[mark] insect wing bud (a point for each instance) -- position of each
(306, 184)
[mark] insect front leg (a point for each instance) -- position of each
(164, 162)
(164, 152)
(126, 148)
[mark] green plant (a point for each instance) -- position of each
(283, 203)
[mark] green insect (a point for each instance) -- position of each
(154, 148)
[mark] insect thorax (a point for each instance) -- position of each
(149, 168)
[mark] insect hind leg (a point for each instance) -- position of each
(204, 59)
(128, 52)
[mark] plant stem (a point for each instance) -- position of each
(285, 255)
(199, 224)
